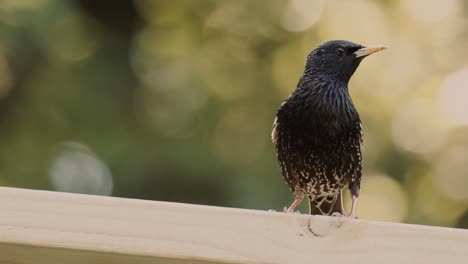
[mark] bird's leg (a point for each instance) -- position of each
(354, 188)
(353, 207)
(295, 204)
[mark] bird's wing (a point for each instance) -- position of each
(274, 132)
(362, 133)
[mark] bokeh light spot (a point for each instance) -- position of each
(417, 129)
(399, 70)
(453, 96)
(287, 66)
(75, 45)
(451, 173)
(173, 111)
(431, 203)
(300, 15)
(430, 11)
(239, 138)
(338, 15)
(76, 169)
(227, 70)
(16, 5)
(383, 199)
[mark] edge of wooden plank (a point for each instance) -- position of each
(163, 230)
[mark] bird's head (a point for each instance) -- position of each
(338, 58)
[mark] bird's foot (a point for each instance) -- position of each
(352, 216)
(295, 204)
(287, 210)
(336, 214)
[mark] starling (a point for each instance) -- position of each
(318, 133)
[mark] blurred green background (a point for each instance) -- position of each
(174, 100)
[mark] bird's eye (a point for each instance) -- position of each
(340, 52)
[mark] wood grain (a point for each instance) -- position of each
(51, 227)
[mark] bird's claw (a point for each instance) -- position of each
(336, 214)
(352, 216)
(285, 210)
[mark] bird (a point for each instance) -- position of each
(317, 131)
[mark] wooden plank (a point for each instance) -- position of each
(51, 227)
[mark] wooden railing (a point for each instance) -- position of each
(44, 227)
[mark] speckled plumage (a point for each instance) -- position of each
(318, 132)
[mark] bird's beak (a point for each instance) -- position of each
(368, 50)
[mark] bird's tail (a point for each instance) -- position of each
(326, 205)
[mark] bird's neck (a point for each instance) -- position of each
(327, 96)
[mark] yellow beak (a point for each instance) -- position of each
(368, 50)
